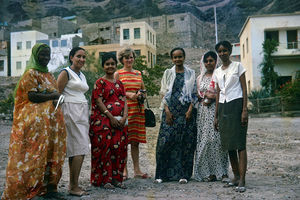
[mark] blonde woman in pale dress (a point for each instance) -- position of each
(72, 84)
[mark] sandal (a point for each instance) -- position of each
(125, 178)
(158, 181)
(142, 176)
(225, 179)
(183, 181)
(78, 193)
(108, 186)
(240, 189)
(120, 185)
(230, 184)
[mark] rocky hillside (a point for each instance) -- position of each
(231, 13)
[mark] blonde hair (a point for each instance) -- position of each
(125, 53)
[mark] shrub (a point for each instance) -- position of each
(290, 93)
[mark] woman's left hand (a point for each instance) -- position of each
(188, 115)
(244, 118)
(122, 122)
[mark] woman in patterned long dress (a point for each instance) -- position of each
(211, 162)
(134, 86)
(38, 138)
(176, 139)
(108, 128)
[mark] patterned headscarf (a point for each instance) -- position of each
(33, 62)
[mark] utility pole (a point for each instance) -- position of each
(216, 24)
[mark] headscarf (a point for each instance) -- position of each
(33, 62)
(203, 70)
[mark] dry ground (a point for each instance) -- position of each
(273, 168)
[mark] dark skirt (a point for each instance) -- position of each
(233, 134)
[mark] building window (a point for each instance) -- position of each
(154, 60)
(151, 60)
(137, 33)
(126, 34)
(247, 45)
(101, 29)
(28, 44)
(1, 65)
(272, 35)
(43, 42)
(27, 63)
(63, 43)
(171, 23)
(243, 51)
(137, 52)
(54, 34)
(148, 35)
(182, 18)
(18, 65)
(292, 39)
(148, 56)
(151, 37)
(155, 25)
(118, 30)
(19, 45)
(107, 28)
(55, 43)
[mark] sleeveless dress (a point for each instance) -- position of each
(132, 82)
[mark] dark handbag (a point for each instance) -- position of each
(149, 116)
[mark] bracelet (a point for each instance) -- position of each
(106, 111)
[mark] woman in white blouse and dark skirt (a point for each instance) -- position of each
(231, 117)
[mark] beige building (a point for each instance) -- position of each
(138, 35)
(285, 29)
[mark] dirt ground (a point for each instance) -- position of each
(273, 168)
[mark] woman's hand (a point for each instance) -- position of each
(132, 96)
(216, 124)
(122, 122)
(188, 115)
(169, 118)
(244, 118)
(115, 123)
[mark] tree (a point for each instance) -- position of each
(269, 76)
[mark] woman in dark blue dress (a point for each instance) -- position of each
(176, 141)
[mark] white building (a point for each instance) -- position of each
(284, 28)
(140, 34)
(61, 47)
(3, 58)
(22, 43)
(20, 48)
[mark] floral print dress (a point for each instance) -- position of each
(109, 145)
(38, 140)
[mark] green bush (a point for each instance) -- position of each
(7, 105)
(262, 102)
(290, 93)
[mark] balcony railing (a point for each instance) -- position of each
(289, 48)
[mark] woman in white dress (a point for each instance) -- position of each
(72, 84)
(211, 162)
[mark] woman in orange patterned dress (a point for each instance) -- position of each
(134, 87)
(37, 143)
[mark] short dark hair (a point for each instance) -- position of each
(73, 52)
(106, 56)
(175, 49)
(224, 43)
(210, 53)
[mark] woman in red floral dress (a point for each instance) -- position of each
(108, 128)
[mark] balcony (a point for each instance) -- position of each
(288, 49)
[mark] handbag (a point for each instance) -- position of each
(149, 116)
